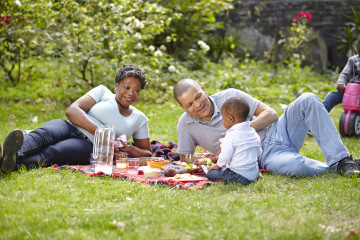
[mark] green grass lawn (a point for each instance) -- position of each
(59, 204)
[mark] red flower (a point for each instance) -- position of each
(302, 14)
(7, 21)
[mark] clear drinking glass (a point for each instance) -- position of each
(132, 165)
(120, 159)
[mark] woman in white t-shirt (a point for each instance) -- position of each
(70, 142)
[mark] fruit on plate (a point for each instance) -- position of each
(196, 166)
(205, 161)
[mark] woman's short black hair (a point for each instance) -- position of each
(129, 70)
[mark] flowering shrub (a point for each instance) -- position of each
(294, 38)
(19, 36)
(94, 37)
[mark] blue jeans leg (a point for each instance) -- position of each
(332, 99)
(56, 142)
(227, 176)
(287, 162)
(286, 137)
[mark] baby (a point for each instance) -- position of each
(240, 148)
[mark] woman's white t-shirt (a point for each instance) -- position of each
(106, 112)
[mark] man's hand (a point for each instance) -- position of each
(213, 167)
(341, 87)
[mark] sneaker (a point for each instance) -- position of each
(348, 167)
(12, 145)
(26, 132)
(356, 160)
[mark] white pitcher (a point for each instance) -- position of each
(103, 148)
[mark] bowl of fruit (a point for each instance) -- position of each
(157, 162)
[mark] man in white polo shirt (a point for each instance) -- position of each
(202, 125)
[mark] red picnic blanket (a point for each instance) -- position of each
(161, 180)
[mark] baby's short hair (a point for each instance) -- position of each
(236, 106)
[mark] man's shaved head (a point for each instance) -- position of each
(182, 86)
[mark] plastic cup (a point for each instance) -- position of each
(132, 165)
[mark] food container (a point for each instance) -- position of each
(172, 170)
(157, 162)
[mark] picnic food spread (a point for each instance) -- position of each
(175, 174)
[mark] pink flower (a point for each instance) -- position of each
(308, 16)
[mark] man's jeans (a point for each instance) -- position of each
(226, 175)
(285, 138)
(332, 99)
(56, 142)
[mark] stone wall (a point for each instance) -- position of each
(270, 16)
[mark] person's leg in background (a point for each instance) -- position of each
(332, 99)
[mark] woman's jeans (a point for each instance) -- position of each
(285, 138)
(226, 175)
(332, 99)
(56, 142)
